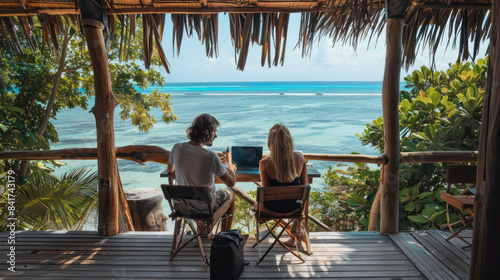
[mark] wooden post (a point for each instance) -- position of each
(105, 103)
(389, 193)
(486, 235)
(111, 218)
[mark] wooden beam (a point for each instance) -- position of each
(382, 159)
(458, 5)
(147, 153)
(137, 153)
(212, 7)
(415, 5)
(485, 239)
(36, 12)
(396, 8)
(389, 194)
(439, 156)
(186, 8)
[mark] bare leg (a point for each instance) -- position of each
(228, 222)
(295, 231)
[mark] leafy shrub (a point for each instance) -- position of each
(244, 216)
(346, 203)
(440, 111)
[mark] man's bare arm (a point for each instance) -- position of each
(229, 178)
(170, 168)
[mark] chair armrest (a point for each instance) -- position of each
(221, 210)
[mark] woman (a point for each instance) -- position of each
(283, 167)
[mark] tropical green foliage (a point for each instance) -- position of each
(46, 202)
(346, 203)
(440, 111)
(27, 82)
(22, 100)
(421, 210)
(244, 216)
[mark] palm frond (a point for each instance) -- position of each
(47, 202)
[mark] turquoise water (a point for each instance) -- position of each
(323, 117)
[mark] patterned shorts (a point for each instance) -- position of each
(193, 207)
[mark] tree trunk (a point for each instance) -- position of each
(110, 214)
(146, 209)
(389, 193)
(486, 241)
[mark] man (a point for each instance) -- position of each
(196, 166)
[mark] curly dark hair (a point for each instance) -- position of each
(201, 127)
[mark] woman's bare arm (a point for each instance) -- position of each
(264, 177)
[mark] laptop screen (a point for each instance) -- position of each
(246, 156)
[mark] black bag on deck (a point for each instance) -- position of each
(226, 255)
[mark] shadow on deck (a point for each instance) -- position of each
(358, 255)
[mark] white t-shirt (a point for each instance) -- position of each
(196, 166)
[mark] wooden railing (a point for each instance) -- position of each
(382, 159)
(406, 157)
(144, 153)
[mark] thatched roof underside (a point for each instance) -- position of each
(428, 24)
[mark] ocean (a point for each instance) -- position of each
(323, 117)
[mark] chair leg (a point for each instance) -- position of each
(305, 225)
(448, 218)
(178, 234)
(267, 234)
(258, 239)
(192, 225)
(277, 240)
(455, 234)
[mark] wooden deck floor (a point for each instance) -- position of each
(145, 255)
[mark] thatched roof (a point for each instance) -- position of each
(264, 22)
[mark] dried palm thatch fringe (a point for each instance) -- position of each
(246, 28)
(353, 20)
(153, 26)
(427, 29)
(210, 35)
(26, 24)
(205, 26)
(51, 25)
(428, 25)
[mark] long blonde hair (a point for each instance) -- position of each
(280, 144)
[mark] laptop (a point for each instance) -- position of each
(246, 158)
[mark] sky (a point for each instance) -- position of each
(340, 63)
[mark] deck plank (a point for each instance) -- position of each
(145, 255)
(433, 255)
(457, 242)
(458, 266)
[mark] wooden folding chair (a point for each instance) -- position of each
(462, 203)
(301, 194)
(173, 192)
